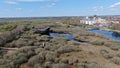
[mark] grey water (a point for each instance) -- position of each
(66, 36)
(110, 34)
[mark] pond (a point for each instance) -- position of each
(109, 34)
(66, 36)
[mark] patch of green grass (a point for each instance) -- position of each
(97, 42)
(8, 27)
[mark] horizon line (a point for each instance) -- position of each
(54, 16)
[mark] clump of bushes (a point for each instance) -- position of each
(35, 60)
(113, 45)
(50, 56)
(11, 35)
(73, 60)
(106, 54)
(67, 49)
(93, 65)
(97, 42)
(47, 64)
(21, 56)
(88, 64)
(18, 43)
(116, 60)
(66, 61)
(60, 65)
(15, 60)
(42, 57)
(8, 27)
(2, 61)
(38, 66)
(73, 43)
(59, 41)
(44, 38)
(118, 54)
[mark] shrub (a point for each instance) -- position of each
(34, 60)
(9, 36)
(67, 49)
(73, 43)
(38, 50)
(50, 56)
(98, 42)
(73, 60)
(45, 38)
(82, 65)
(2, 61)
(53, 47)
(116, 60)
(118, 54)
(57, 60)
(59, 41)
(48, 47)
(64, 61)
(106, 54)
(47, 64)
(2, 66)
(37, 43)
(38, 66)
(20, 43)
(30, 42)
(8, 27)
(115, 47)
(6, 37)
(12, 44)
(25, 49)
(60, 65)
(93, 65)
(15, 60)
(28, 51)
(20, 61)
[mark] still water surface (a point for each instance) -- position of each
(109, 34)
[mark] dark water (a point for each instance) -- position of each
(67, 36)
(109, 34)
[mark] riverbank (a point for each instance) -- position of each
(107, 29)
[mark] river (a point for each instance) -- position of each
(110, 34)
(67, 36)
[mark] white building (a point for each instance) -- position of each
(92, 20)
(89, 21)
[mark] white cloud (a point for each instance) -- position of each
(50, 5)
(98, 8)
(19, 9)
(115, 5)
(11, 2)
(34, 0)
(19, 1)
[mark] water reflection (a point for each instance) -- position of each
(115, 34)
(67, 36)
(109, 34)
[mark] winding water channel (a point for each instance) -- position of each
(110, 34)
(67, 36)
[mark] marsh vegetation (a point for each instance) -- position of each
(31, 50)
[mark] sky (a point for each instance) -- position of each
(45, 8)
